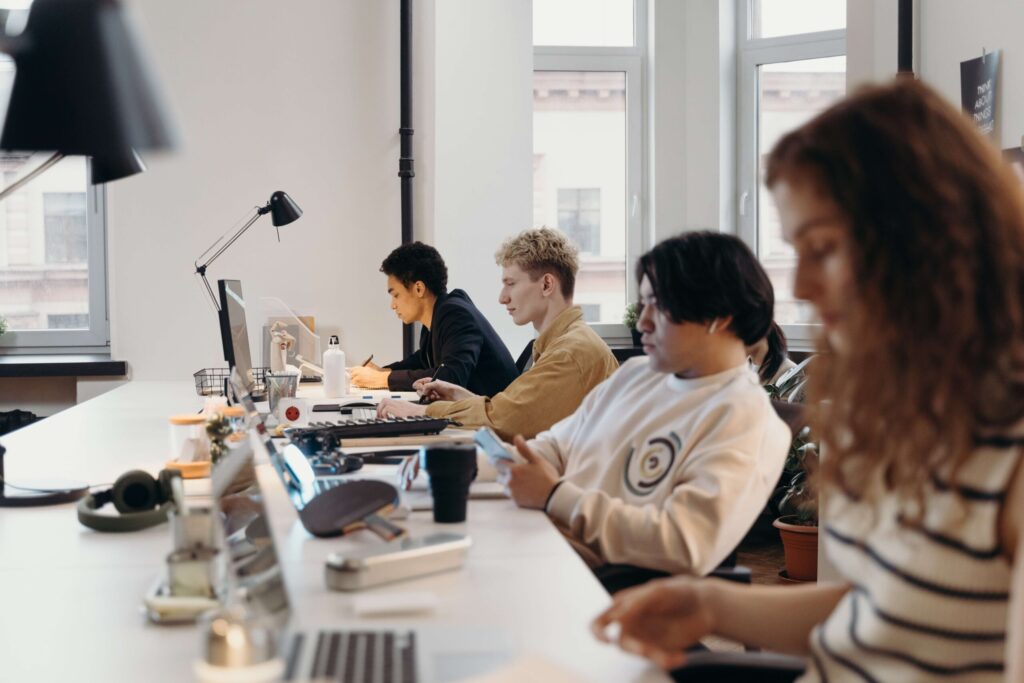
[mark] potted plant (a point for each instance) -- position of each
(794, 504)
(3, 325)
(798, 510)
(629, 319)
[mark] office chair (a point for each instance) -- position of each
(739, 667)
(617, 577)
(525, 357)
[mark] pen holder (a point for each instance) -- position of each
(280, 386)
(194, 572)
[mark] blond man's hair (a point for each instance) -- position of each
(541, 251)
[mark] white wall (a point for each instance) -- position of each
(947, 33)
(482, 160)
(954, 31)
(301, 97)
(693, 71)
(871, 41)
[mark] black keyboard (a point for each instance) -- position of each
(325, 436)
(352, 656)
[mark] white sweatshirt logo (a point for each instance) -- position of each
(646, 468)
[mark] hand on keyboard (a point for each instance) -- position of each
(396, 407)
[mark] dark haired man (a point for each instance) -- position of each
(666, 464)
(457, 343)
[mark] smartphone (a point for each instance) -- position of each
(395, 561)
(486, 439)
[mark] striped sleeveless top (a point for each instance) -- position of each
(929, 594)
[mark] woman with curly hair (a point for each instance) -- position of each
(909, 232)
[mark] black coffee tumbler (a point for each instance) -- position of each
(451, 467)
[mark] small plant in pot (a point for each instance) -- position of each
(3, 325)
(798, 510)
(630, 318)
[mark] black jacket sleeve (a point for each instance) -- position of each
(457, 340)
(399, 379)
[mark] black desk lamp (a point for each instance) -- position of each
(81, 88)
(282, 209)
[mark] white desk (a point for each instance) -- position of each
(70, 596)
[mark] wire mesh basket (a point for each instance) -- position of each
(214, 381)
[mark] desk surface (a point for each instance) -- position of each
(70, 596)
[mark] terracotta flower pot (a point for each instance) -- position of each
(800, 543)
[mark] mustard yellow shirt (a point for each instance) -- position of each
(569, 360)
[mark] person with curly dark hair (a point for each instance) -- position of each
(457, 343)
(909, 234)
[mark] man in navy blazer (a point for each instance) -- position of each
(457, 343)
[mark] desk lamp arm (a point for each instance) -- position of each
(38, 170)
(201, 269)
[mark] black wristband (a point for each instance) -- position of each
(552, 494)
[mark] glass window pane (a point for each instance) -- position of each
(770, 18)
(599, 23)
(789, 94)
(579, 178)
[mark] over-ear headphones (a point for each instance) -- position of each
(141, 500)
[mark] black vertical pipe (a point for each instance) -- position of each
(905, 38)
(405, 131)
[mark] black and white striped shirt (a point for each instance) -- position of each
(929, 593)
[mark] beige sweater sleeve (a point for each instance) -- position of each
(551, 390)
(717, 495)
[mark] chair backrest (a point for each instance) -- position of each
(525, 357)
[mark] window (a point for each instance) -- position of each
(52, 249)
(64, 222)
(579, 217)
(587, 142)
(591, 312)
(792, 66)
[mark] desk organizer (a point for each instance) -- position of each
(213, 381)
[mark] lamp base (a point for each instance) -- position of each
(40, 493)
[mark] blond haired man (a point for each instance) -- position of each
(538, 275)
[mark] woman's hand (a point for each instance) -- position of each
(439, 390)
(659, 620)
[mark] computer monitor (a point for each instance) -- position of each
(234, 333)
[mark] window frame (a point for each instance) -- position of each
(632, 60)
(752, 54)
(95, 339)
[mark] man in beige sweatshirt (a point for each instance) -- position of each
(538, 275)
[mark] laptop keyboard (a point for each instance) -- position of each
(353, 656)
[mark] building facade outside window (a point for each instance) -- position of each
(587, 143)
(792, 61)
(579, 217)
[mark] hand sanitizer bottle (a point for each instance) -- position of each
(335, 375)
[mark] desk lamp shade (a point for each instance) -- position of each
(283, 209)
(109, 170)
(81, 86)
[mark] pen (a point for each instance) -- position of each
(423, 398)
(367, 361)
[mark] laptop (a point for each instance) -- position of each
(437, 654)
(324, 508)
